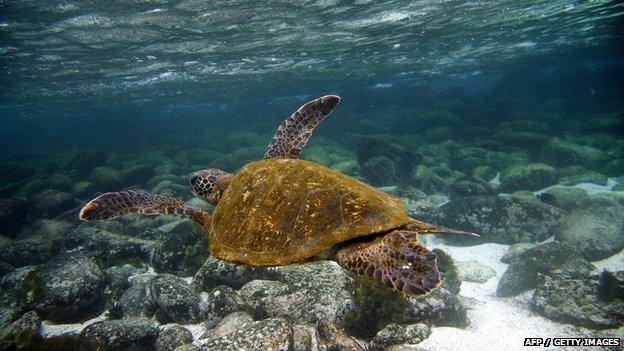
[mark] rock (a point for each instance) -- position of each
(302, 338)
(581, 298)
(269, 334)
(560, 152)
(587, 177)
(526, 140)
(222, 301)
(369, 147)
(465, 187)
(172, 337)
(20, 253)
(303, 294)
(499, 219)
(515, 250)
(83, 189)
(11, 171)
(50, 229)
(394, 334)
(484, 173)
(175, 300)
(5, 268)
(118, 276)
(124, 334)
(70, 287)
(380, 170)
(12, 215)
(62, 181)
(229, 324)
(533, 176)
(596, 228)
(426, 180)
(218, 272)
(51, 203)
(136, 301)
(86, 160)
(331, 337)
(566, 198)
(32, 187)
(524, 269)
(615, 168)
(183, 250)
(473, 271)
(439, 134)
(106, 179)
(15, 290)
(23, 334)
(170, 188)
(440, 308)
(106, 246)
(136, 174)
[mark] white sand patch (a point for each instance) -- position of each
(612, 264)
(49, 329)
(495, 323)
(590, 188)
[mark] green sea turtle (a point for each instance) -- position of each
(283, 210)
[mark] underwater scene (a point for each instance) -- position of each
(311, 175)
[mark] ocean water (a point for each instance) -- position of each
(502, 118)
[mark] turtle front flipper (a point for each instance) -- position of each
(117, 204)
(296, 130)
(396, 259)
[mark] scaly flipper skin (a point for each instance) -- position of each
(396, 259)
(296, 130)
(117, 204)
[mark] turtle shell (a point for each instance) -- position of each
(280, 211)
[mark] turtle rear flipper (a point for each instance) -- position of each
(396, 259)
(117, 204)
(296, 130)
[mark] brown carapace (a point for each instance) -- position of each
(283, 210)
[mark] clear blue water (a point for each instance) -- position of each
(514, 97)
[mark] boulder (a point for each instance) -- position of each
(182, 251)
(581, 298)
(380, 170)
(269, 334)
(473, 271)
(499, 219)
(596, 228)
(303, 294)
(174, 299)
(124, 334)
(23, 334)
(561, 152)
(533, 176)
(106, 179)
(222, 301)
(524, 270)
(13, 214)
(394, 334)
(20, 253)
(231, 323)
(173, 337)
(70, 287)
(51, 203)
(218, 272)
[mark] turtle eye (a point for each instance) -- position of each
(202, 183)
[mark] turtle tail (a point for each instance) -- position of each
(120, 203)
(424, 228)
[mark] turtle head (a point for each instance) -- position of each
(209, 184)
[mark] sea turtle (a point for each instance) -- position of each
(283, 210)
